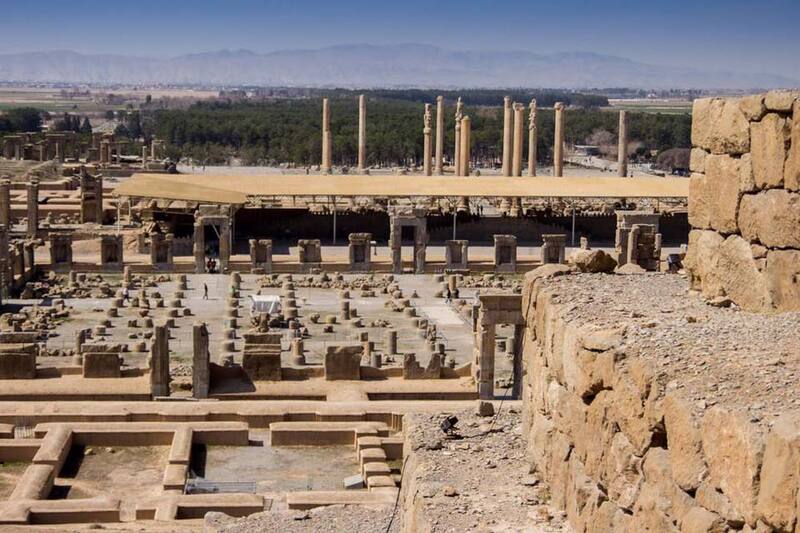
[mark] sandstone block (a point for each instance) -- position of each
(699, 207)
(722, 189)
(719, 126)
(791, 172)
(699, 520)
(772, 218)
(343, 363)
(753, 106)
(733, 449)
(684, 443)
(783, 279)
(697, 160)
(593, 261)
(768, 138)
(780, 475)
(780, 100)
(713, 500)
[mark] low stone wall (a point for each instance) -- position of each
(744, 200)
(635, 430)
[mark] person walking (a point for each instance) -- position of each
(205, 291)
(447, 295)
(125, 295)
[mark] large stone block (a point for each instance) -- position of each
(343, 363)
(684, 443)
(783, 279)
(262, 365)
(733, 449)
(772, 218)
(724, 176)
(780, 474)
(17, 365)
(699, 207)
(791, 172)
(101, 365)
(719, 126)
(753, 106)
(780, 100)
(768, 147)
(697, 160)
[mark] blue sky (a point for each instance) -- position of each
(738, 35)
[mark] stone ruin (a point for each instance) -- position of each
(553, 248)
(505, 253)
(260, 256)
(637, 239)
(744, 201)
(456, 255)
(360, 251)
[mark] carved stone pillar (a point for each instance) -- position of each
(558, 145)
(532, 138)
(438, 167)
(33, 208)
(507, 135)
(622, 145)
(426, 146)
(362, 134)
(516, 164)
(465, 146)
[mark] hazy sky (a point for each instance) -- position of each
(738, 35)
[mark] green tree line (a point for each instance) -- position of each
(284, 130)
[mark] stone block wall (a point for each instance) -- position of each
(623, 449)
(744, 200)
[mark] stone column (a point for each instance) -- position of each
(507, 135)
(199, 247)
(5, 203)
(519, 342)
(29, 251)
(144, 156)
(362, 134)
(516, 165)
(159, 361)
(325, 167)
(486, 342)
(457, 150)
(532, 138)
(391, 342)
(33, 208)
(438, 166)
(201, 376)
(224, 245)
(622, 145)
(464, 151)
(426, 147)
(558, 146)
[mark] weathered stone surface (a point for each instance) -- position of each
(722, 187)
(343, 363)
(709, 497)
(753, 106)
(593, 261)
(726, 268)
(697, 160)
(684, 443)
(791, 172)
(782, 275)
(780, 477)
(719, 126)
(780, 100)
(733, 448)
(699, 520)
(768, 138)
(772, 218)
(699, 208)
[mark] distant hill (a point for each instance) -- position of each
(365, 66)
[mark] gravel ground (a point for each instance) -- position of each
(479, 482)
(713, 355)
(333, 519)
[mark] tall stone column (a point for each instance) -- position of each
(516, 161)
(201, 376)
(485, 348)
(426, 145)
(558, 145)
(199, 247)
(532, 138)
(159, 361)
(465, 140)
(622, 146)
(325, 167)
(224, 245)
(33, 208)
(507, 135)
(5, 203)
(438, 166)
(362, 134)
(457, 149)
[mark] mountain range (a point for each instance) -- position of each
(373, 66)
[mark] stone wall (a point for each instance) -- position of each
(744, 200)
(622, 443)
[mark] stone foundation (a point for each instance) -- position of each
(634, 429)
(744, 200)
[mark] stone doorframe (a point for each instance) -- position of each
(497, 309)
(218, 216)
(415, 219)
